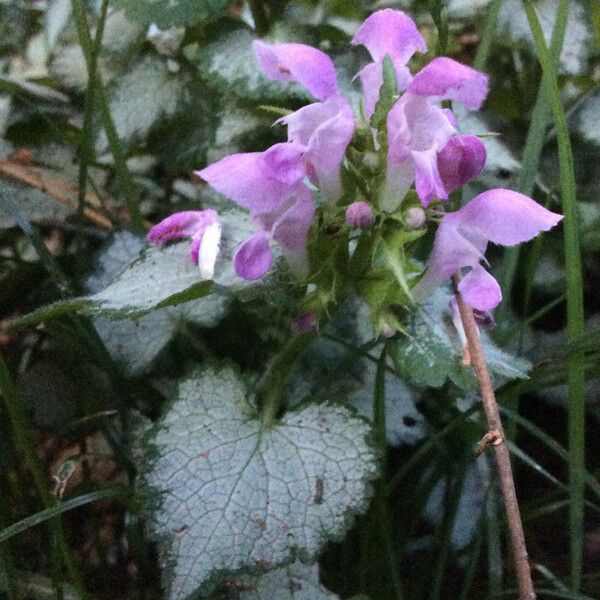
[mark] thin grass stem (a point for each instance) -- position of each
(575, 310)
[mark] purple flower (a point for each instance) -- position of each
(419, 130)
(360, 214)
(499, 216)
(257, 180)
(270, 185)
(202, 226)
(323, 129)
(387, 33)
(288, 225)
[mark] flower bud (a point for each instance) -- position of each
(360, 214)
(415, 217)
(304, 323)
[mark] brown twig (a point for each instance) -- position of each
(63, 191)
(507, 484)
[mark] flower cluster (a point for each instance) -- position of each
(421, 146)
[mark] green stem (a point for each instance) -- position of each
(441, 22)
(24, 440)
(275, 380)
(575, 310)
(120, 164)
(483, 51)
(85, 146)
(540, 119)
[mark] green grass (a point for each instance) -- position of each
(575, 313)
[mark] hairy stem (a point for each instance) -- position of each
(274, 382)
(494, 423)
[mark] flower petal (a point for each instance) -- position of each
(460, 161)
(371, 78)
(446, 79)
(291, 228)
(254, 257)
(181, 224)
(398, 179)
(480, 290)
(325, 130)
(210, 244)
(428, 182)
(390, 32)
(298, 62)
(257, 180)
(503, 217)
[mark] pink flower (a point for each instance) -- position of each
(323, 129)
(499, 216)
(204, 229)
(270, 185)
(387, 33)
(419, 130)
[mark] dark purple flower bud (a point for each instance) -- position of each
(304, 323)
(461, 160)
(360, 214)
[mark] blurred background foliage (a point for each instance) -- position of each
(87, 161)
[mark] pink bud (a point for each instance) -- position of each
(304, 323)
(360, 214)
(415, 217)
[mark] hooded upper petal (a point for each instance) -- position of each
(461, 160)
(324, 129)
(390, 32)
(298, 62)
(257, 180)
(446, 79)
(503, 217)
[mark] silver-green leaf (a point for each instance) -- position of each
(235, 494)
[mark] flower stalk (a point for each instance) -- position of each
(494, 424)
(273, 384)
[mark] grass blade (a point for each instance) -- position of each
(24, 440)
(121, 170)
(485, 45)
(540, 119)
(575, 314)
(60, 508)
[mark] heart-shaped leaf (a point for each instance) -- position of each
(238, 495)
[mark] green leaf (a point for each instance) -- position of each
(294, 582)
(135, 343)
(235, 495)
(161, 276)
(388, 94)
(227, 63)
(143, 96)
(167, 13)
(430, 351)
